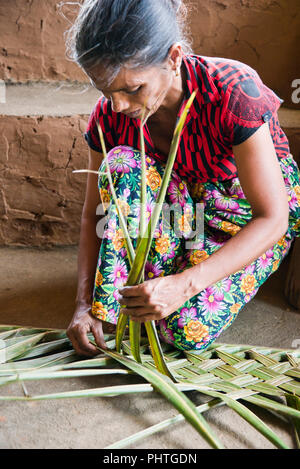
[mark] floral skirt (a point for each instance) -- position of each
(225, 210)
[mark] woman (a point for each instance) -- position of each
(233, 160)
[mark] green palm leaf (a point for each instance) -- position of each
(294, 403)
(162, 426)
(137, 260)
(164, 385)
(129, 247)
(134, 326)
(144, 243)
(230, 375)
(143, 248)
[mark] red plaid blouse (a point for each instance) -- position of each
(231, 104)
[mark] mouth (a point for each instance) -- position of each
(134, 114)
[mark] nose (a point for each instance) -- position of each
(119, 104)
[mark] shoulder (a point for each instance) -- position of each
(237, 87)
(223, 75)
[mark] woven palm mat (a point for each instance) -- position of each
(264, 376)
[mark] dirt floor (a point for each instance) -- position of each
(38, 288)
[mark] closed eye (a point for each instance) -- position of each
(125, 91)
(134, 91)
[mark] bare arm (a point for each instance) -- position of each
(83, 321)
(89, 243)
(262, 182)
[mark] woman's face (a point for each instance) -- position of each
(132, 89)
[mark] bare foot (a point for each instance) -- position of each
(292, 283)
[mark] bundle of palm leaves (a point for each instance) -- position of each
(137, 258)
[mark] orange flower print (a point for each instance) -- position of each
(118, 240)
(153, 178)
(282, 242)
(296, 226)
(98, 279)
(235, 308)
(124, 207)
(275, 265)
(105, 197)
(230, 227)
(198, 256)
(196, 331)
(248, 283)
(183, 223)
(162, 244)
(98, 310)
(188, 213)
(297, 192)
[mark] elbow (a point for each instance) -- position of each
(278, 218)
(280, 225)
(284, 226)
(283, 222)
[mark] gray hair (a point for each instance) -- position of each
(129, 33)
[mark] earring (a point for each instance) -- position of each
(177, 72)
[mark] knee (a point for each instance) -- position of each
(190, 333)
(193, 335)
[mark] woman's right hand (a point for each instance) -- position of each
(81, 324)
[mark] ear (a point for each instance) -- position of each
(175, 56)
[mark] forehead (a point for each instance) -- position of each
(125, 78)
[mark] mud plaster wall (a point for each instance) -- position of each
(40, 199)
(261, 33)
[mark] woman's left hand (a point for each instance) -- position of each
(154, 299)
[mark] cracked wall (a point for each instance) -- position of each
(32, 43)
(261, 33)
(40, 198)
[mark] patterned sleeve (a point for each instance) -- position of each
(247, 105)
(102, 112)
